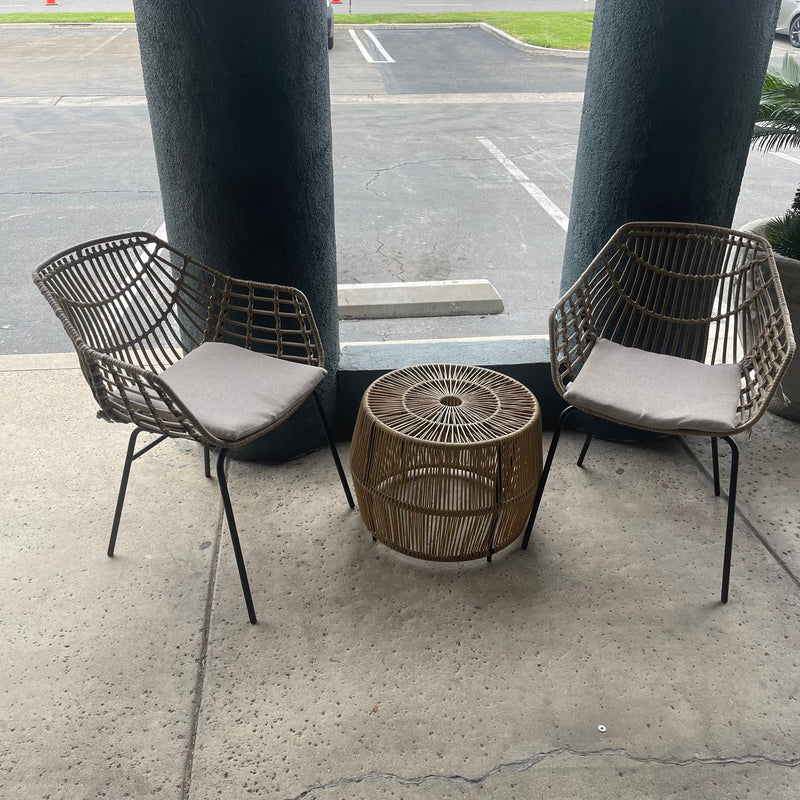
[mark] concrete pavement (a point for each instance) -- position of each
(372, 675)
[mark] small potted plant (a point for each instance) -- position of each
(778, 127)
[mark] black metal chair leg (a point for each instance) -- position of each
(726, 564)
(237, 548)
(715, 462)
(123, 486)
(207, 460)
(589, 437)
(334, 451)
(545, 472)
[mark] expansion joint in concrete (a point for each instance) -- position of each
(202, 656)
(522, 765)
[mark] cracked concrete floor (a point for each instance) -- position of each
(374, 675)
(370, 674)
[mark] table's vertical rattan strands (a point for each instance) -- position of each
(446, 460)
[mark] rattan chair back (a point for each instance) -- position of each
(692, 291)
(133, 305)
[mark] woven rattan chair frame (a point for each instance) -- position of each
(692, 291)
(132, 306)
(697, 292)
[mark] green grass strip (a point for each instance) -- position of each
(563, 30)
(81, 18)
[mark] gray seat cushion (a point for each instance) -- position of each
(234, 392)
(655, 391)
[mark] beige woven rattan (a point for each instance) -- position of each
(446, 460)
(692, 291)
(133, 306)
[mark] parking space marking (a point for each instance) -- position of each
(511, 337)
(367, 56)
(530, 187)
(464, 98)
(787, 157)
(379, 46)
(364, 52)
(336, 99)
(28, 101)
(75, 101)
(102, 44)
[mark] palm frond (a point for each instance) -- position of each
(778, 121)
(781, 95)
(772, 140)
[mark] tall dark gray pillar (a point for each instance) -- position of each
(239, 106)
(672, 92)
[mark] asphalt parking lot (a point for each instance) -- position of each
(453, 158)
(422, 157)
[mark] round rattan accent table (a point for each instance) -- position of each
(446, 460)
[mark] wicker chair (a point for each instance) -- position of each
(676, 329)
(168, 344)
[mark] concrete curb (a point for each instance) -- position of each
(38, 362)
(418, 299)
(531, 48)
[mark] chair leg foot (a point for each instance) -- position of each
(565, 414)
(237, 549)
(334, 451)
(726, 563)
(123, 486)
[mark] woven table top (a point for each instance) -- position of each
(451, 403)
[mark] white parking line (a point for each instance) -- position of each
(530, 187)
(367, 56)
(525, 337)
(379, 46)
(365, 53)
(787, 157)
(103, 44)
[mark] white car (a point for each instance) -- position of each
(789, 21)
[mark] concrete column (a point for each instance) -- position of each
(671, 96)
(239, 106)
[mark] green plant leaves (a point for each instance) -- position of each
(778, 121)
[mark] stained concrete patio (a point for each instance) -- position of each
(372, 675)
